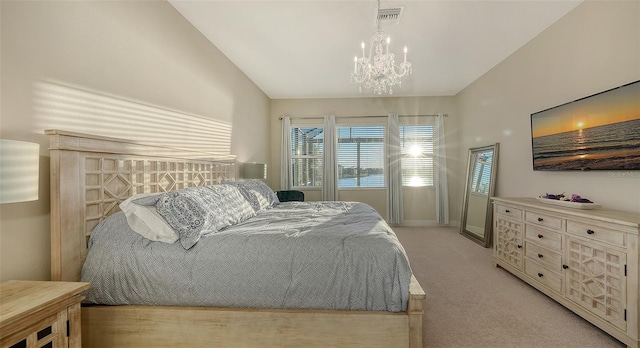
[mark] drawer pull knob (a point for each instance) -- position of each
(540, 255)
(519, 246)
(507, 211)
(540, 275)
(540, 219)
(540, 236)
(590, 232)
(565, 266)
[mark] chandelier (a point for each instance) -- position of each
(379, 71)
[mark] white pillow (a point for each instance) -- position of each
(145, 220)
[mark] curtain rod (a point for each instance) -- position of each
(312, 117)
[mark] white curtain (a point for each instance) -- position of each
(285, 154)
(440, 180)
(330, 160)
(394, 166)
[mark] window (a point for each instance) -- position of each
(306, 156)
(480, 182)
(361, 157)
(416, 148)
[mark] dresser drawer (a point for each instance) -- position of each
(544, 220)
(544, 237)
(544, 256)
(596, 233)
(543, 275)
(509, 211)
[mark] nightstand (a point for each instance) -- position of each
(40, 314)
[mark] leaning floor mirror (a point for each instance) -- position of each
(477, 215)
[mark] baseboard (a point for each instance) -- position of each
(430, 223)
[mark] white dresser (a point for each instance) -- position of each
(586, 260)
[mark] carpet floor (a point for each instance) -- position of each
(472, 303)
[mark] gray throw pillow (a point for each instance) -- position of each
(195, 211)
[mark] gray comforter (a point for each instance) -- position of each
(313, 255)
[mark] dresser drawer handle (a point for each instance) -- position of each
(540, 275)
(540, 219)
(540, 255)
(540, 236)
(519, 246)
(565, 266)
(507, 211)
(590, 232)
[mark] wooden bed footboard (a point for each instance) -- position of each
(154, 326)
(91, 175)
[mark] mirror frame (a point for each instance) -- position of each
(484, 240)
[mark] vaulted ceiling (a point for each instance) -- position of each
(305, 48)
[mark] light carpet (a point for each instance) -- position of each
(472, 303)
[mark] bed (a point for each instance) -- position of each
(92, 175)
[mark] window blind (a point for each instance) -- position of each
(361, 156)
(416, 148)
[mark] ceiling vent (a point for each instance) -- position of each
(389, 15)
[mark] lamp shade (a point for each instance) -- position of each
(19, 171)
(254, 171)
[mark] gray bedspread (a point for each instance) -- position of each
(313, 255)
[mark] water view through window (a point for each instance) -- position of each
(361, 154)
(360, 157)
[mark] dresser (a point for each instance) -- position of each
(40, 314)
(587, 260)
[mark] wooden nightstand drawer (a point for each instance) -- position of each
(39, 314)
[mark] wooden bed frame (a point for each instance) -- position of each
(91, 175)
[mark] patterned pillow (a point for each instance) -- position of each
(257, 193)
(195, 211)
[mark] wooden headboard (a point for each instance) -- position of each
(91, 175)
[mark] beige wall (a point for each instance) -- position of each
(593, 48)
(419, 202)
(125, 56)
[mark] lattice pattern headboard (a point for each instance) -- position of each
(91, 175)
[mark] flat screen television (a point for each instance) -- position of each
(598, 132)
